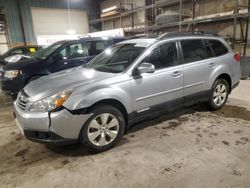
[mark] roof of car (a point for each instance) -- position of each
(143, 42)
(27, 46)
(89, 39)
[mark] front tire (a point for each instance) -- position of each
(219, 94)
(103, 129)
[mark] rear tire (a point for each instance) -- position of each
(219, 94)
(103, 129)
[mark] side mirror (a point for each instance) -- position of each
(146, 68)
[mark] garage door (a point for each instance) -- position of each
(49, 21)
(3, 43)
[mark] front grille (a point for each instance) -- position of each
(22, 100)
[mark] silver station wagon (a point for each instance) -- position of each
(129, 81)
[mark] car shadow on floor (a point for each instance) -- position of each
(79, 150)
(76, 150)
(175, 115)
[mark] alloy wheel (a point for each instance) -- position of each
(103, 129)
(220, 94)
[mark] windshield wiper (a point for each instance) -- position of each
(117, 63)
(105, 69)
(38, 58)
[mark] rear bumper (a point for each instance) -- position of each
(61, 127)
(235, 85)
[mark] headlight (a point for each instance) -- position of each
(12, 73)
(13, 59)
(50, 103)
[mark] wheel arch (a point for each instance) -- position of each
(226, 77)
(112, 102)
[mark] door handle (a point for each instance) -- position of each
(176, 74)
(211, 65)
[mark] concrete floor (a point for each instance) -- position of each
(190, 148)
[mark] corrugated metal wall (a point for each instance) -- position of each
(14, 21)
(14, 24)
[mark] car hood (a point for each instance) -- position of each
(21, 64)
(64, 80)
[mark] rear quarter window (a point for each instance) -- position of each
(96, 47)
(218, 47)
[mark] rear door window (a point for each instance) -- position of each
(218, 48)
(193, 50)
(96, 47)
(209, 50)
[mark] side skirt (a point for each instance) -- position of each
(167, 107)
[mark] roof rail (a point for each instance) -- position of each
(145, 36)
(179, 34)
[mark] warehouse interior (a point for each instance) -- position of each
(189, 147)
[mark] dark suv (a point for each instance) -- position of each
(58, 56)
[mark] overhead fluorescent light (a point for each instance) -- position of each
(110, 9)
(71, 32)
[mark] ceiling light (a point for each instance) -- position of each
(71, 32)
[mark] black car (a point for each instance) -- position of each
(58, 56)
(21, 50)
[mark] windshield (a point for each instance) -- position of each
(45, 52)
(116, 59)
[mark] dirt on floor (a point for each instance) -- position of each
(193, 147)
(234, 112)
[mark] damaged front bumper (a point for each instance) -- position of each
(60, 127)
